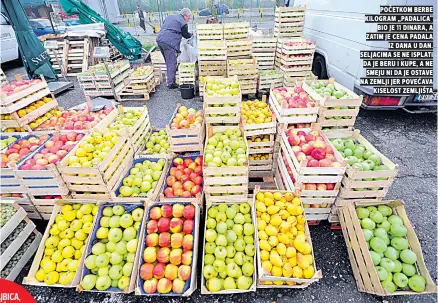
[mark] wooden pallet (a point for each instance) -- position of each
(18, 242)
(225, 184)
(97, 182)
(219, 108)
(236, 31)
(239, 48)
(364, 271)
(76, 54)
(212, 51)
(209, 32)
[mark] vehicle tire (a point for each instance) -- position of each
(319, 67)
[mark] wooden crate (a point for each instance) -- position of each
(151, 196)
(137, 133)
(18, 242)
(306, 174)
(354, 184)
(289, 21)
(262, 273)
(246, 71)
(287, 115)
(97, 182)
(335, 112)
(207, 32)
(217, 109)
(142, 150)
(186, 73)
(204, 290)
(198, 199)
(231, 182)
(92, 240)
(186, 139)
(322, 200)
(30, 279)
(291, 79)
(212, 51)
(239, 49)
(45, 206)
(264, 44)
(212, 68)
(191, 283)
(265, 61)
(364, 271)
(236, 31)
(267, 79)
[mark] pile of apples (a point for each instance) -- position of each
(93, 149)
(169, 243)
(186, 118)
(66, 243)
(16, 86)
(328, 90)
(21, 149)
(257, 139)
(393, 259)
(33, 106)
(54, 150)
(229, 247)
(284, 249)
(126, 119)
(294, 97)
(215, 88)
(311, 146)
(40, 120)
(7, 141)
(226, 149)
(158, 143)
(256, 112)
(112, 254)
(75, 120)
(359, 156)
(143, 70)
(143, 178)
(299, 125)
(185, 178)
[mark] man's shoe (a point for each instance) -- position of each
(172, 86)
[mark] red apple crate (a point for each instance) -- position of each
(211, 111)
(30, 278)
(315, 197)
(263, 275)
(152, 196)
(137, 132)
(186, 139)
(97, 182)
(6, 230)
(364, 271)
(292, 115)
(199, 197)
(83, 271)
(190, 284)
(252, 288)
(353, 185)
(225, 184)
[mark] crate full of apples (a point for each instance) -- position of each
(317, 198)
(143, 181)
(60, 255)
(384, 250)
(169, 249)
(95, 165)
(222, 100)
(225, 166)
(44, 205)
(283, 243)
(293, 105)
(184, 180)
(313, 158)
(228, 263)
(41, 164)
(13, 155)
(369, 173)
(110, 258)
(186, 130)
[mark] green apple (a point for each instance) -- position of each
(88, 282)
(131, 246)
(387, 264)
(248, 229)
(250, 250)
(381, 272)
(230, 223)
(212, 212)
(239, 258)
(408, 269)
(126, 220)
(244, 282)
(417, 283)
(248, 269)
(115, 235)
(114, 221)
(211, 223)
(221, 227)
(123, 282)
(90, 262)
(391, 253)
(115, 272)
(98, 249)
(209, 272)
(231, 213)
(103, 283)
(208, 259)
(116, 258)
(239, 244)
(389, 286)
(129, 234)
(231, 236)
(220, 252)
(221, 217)
(239, 219)
(121, 247)
(219, 265)
(238, 229)
(214, 284)
(127, 269)
(229, 283)
(110, 246)
(221, 240)
(210, 235)
(400, 279)
(378, 245)
(375, 257)
(102, 233)
(398, 230)
(408, 256)
(102, 260)
(210, 248)
(231, 251)
(107, 211)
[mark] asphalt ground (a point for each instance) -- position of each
(408, 140)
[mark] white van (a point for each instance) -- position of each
(338, 27)
(9, 45)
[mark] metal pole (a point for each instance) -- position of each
(50, 17)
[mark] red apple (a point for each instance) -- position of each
(173, 171)
(163, 224)
(325, 163)
(198, 160)
(198, 180)
(188, 226)
(318, 153)
(313, 163)
(330, 186)
(189, 211)
(307, 149)
(294, 140)
(187, 171)
(198, 170)
(168, 192)
(187, 161)
(321, 186)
